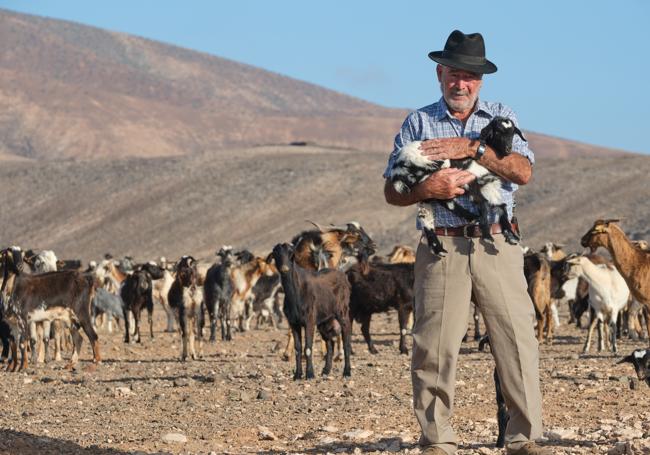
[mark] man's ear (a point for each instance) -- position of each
(439, 72)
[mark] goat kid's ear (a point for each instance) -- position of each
(270, 259)
(520, 134)
(628, 359)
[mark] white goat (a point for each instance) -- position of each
(608, 295)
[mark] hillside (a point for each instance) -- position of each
(258, 196)
(72, 91)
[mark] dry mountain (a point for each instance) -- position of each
(175, 170)
(73, 91)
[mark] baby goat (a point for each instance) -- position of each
(640, 358)
(412, 168)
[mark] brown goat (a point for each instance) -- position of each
(328, 248)
(631, 262)
(538, 275)
(401, 254)
(314, 300)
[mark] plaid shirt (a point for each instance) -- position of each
(434, 122)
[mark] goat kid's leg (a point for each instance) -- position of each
(601, 340)
(435, 245)
(590, 332)
(502, 411)
(77, 342)
(192, 326)
(136, 316)
(184, 336)
(346, 329)
(150, 321)
(612, 335)
(127, 326)
(13, 362)
(484, 221)
(403, 318)
(87, 327)
(328, 357)
(477, 323)
(506, 228)
(297, 348)
(59, 333)
(365, 330)
(309, 343)
(290, 343)
(47, 331)
(34, 330)
(23, 355)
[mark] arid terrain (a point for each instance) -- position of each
(240, 398)
(111, 143)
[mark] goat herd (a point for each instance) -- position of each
(324, 279)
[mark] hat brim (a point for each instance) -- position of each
(486, 68)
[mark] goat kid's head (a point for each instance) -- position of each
(356, 241)
(154, 270)
(282, 255)
(12, 260)
(225, 255)
(499, 134)
(640, 359)
(244, 256)
(598, 235)
(186, 270)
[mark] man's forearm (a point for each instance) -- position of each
(515, 167)
(395, 198)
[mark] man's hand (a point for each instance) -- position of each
(444, 184)
(454, 148)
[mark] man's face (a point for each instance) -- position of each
(459, 87)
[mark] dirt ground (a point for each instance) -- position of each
(240, 398)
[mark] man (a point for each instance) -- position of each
(491, 272)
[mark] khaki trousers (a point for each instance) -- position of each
(443, 288)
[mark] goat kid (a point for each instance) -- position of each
(186, 298)
(640, 359)
(412, 168)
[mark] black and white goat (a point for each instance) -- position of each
(217, 290)
(640, 359)
(412, 168)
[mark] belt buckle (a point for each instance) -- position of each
(465, 230)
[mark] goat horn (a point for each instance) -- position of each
(316, 224)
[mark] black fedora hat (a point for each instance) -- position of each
(465, 52)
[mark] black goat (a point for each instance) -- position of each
(186, 299)
(218, 292)
(376, 288)
(136, 293)
(502, 409)
(314, 300)
(640, 359)
(411, 168)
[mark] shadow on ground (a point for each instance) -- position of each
(18, 442)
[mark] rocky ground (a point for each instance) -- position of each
(240, 398)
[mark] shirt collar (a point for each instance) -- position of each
(442, 109)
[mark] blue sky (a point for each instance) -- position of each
(574, 69)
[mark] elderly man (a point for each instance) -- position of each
(491, 272)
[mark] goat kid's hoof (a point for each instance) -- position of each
(347, 374)
(440, 253)
(373, 350)
(404, 351)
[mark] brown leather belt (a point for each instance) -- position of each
(471, 230)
